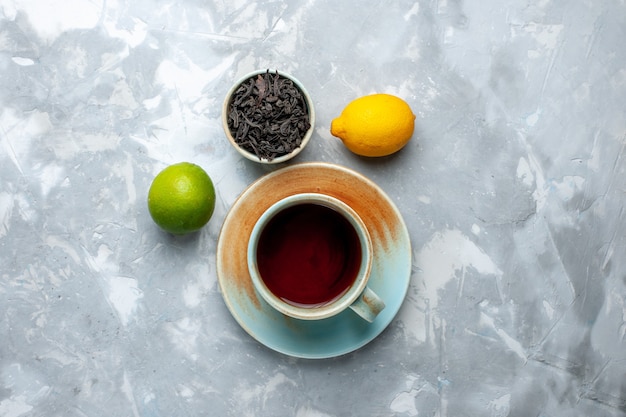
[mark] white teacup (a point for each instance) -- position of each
(310, 257)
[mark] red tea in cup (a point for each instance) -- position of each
(310, 258)
(308, 254)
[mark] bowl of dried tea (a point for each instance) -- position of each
(268, 116)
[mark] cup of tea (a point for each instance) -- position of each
(310, 257)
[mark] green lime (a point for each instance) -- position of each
(181, 198)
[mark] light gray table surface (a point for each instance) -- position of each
(512, 190)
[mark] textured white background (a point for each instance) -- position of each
(513, 190)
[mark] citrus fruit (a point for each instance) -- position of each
(181, 198)
(375, 125)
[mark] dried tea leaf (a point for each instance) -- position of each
(268, 116)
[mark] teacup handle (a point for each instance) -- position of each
(368, 305)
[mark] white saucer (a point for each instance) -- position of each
(391, 269)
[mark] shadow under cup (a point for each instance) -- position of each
(309, 257)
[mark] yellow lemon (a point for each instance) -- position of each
(181, 198)
(375, 125)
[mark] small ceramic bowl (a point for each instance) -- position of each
(250, 155)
